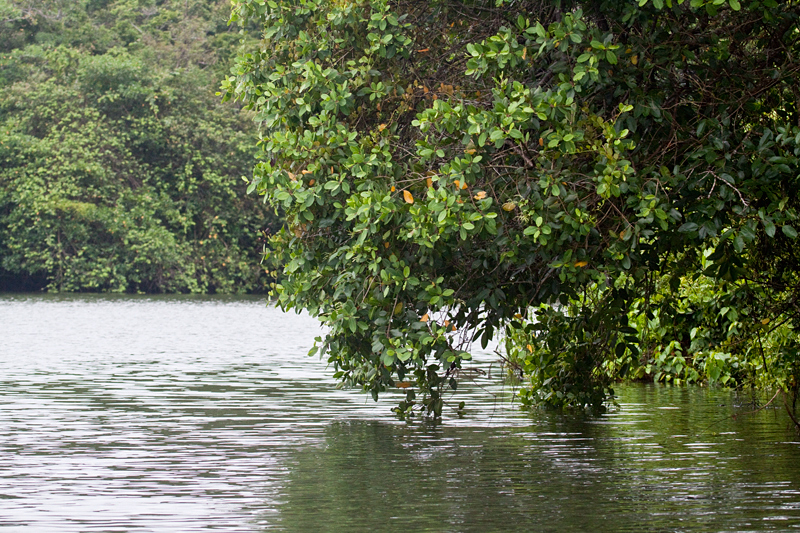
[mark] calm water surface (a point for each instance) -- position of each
(188, 414)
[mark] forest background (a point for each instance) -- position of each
(120, 169)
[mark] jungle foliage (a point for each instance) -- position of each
(610, 186)
(120, 169)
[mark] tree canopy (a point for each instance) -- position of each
(120, 169)
(610, 186)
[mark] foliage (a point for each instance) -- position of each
(119, 168)
(607, 183)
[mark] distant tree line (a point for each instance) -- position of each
(120, 170)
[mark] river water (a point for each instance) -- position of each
(178, 414)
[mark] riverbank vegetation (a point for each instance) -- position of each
(609, 186)
(120, 170)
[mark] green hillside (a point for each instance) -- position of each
(120, 169)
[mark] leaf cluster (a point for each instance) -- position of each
(452, 170)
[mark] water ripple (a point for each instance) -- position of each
(187, 414)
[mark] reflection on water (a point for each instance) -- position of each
(182, 414)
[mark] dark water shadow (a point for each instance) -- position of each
(648, 467)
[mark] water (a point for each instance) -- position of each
(188, 414)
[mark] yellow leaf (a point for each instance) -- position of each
(541, 141)
(509, 206)
(386, 245)
(398, 309)
(304, 172)
(429, 181)
(407, 196)
(524, 52)
(635, 59)
(291, 176)
(311, 182)
(581, 264)
(393, 189)
(765, 321)
(470, 151)
(458, 184)
(424, 318)
(530, 348)
(480, 196)
(381, 127)
(517, 315)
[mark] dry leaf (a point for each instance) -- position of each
(403, 385)
(424, 318)
(480, 196)
(429, 181)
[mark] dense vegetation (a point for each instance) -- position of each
(610, 185)
(120, 170)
